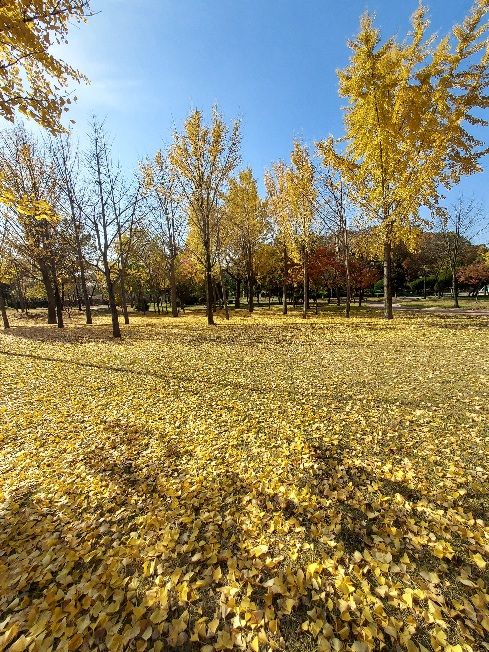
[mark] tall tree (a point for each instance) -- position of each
(30, 196)
(332, 209)
(110, 213)
(167, 217)
(407, 122)
(245, 224)
(204, 157)
(31, 77)
(279, 212)
(301, 195)
(68, 172)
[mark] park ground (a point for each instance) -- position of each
(268, 483)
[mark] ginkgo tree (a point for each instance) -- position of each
(278, 209)
(408, 120)
(301, 195)
(204, 157)
(31, 76)
(245, 224)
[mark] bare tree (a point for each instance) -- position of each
(66, 161)
(459, 224)
(332, 211)
(168, 220)
(110, 213)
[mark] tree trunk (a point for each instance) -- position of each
(284, 289)
(237, 298)
(3, 310)
(251, 288)
(388, 313)
(347, 274)
(116, 329)
(48, 286)
(209, 290)
(360, 297)
(59, 302)
(305, 283)
(316, 302)
(77, 294)
(173, 288)
(455, 288)
(122, 281)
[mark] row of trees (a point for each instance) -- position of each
(75, 225)
(188, 215)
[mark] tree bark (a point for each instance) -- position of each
(48, 286)
(173, 288)
(388, 313)
(116, 329)
(251, 288)
(3, 310)
(122, 281)
(306, 284)
(455, 288)
(284, 289)
(209, 289)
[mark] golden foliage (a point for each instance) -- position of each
(270, 484)
(31, 77)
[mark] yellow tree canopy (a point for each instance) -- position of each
(31, 77)
(410, 107)
(244, 215)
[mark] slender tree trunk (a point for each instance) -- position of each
(347, 273)
(455, 288)
(360, 297)
(48, 286)
(224, 292)
(388, 313)
(209, 289)
(251, 288)
(77, 294)
(284, 289)
(305, 283)
(173, 288)
(3, 310)
(122, 281)
(237, 298)
(58, 301)
(116, 329)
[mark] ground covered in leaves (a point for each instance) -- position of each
(267, 484)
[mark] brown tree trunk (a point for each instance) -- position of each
(251, 288)
(305, 283)
(48, 286)
(173, 288)
(388, 313)
(116, 329)
(58, 299)
(455, 288)
(237, 298)
(3, 310)
(209, 290)
(284, 289)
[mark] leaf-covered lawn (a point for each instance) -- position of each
(265, 484)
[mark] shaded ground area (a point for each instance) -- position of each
(265, 484)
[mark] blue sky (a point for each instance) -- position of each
(271, 63)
